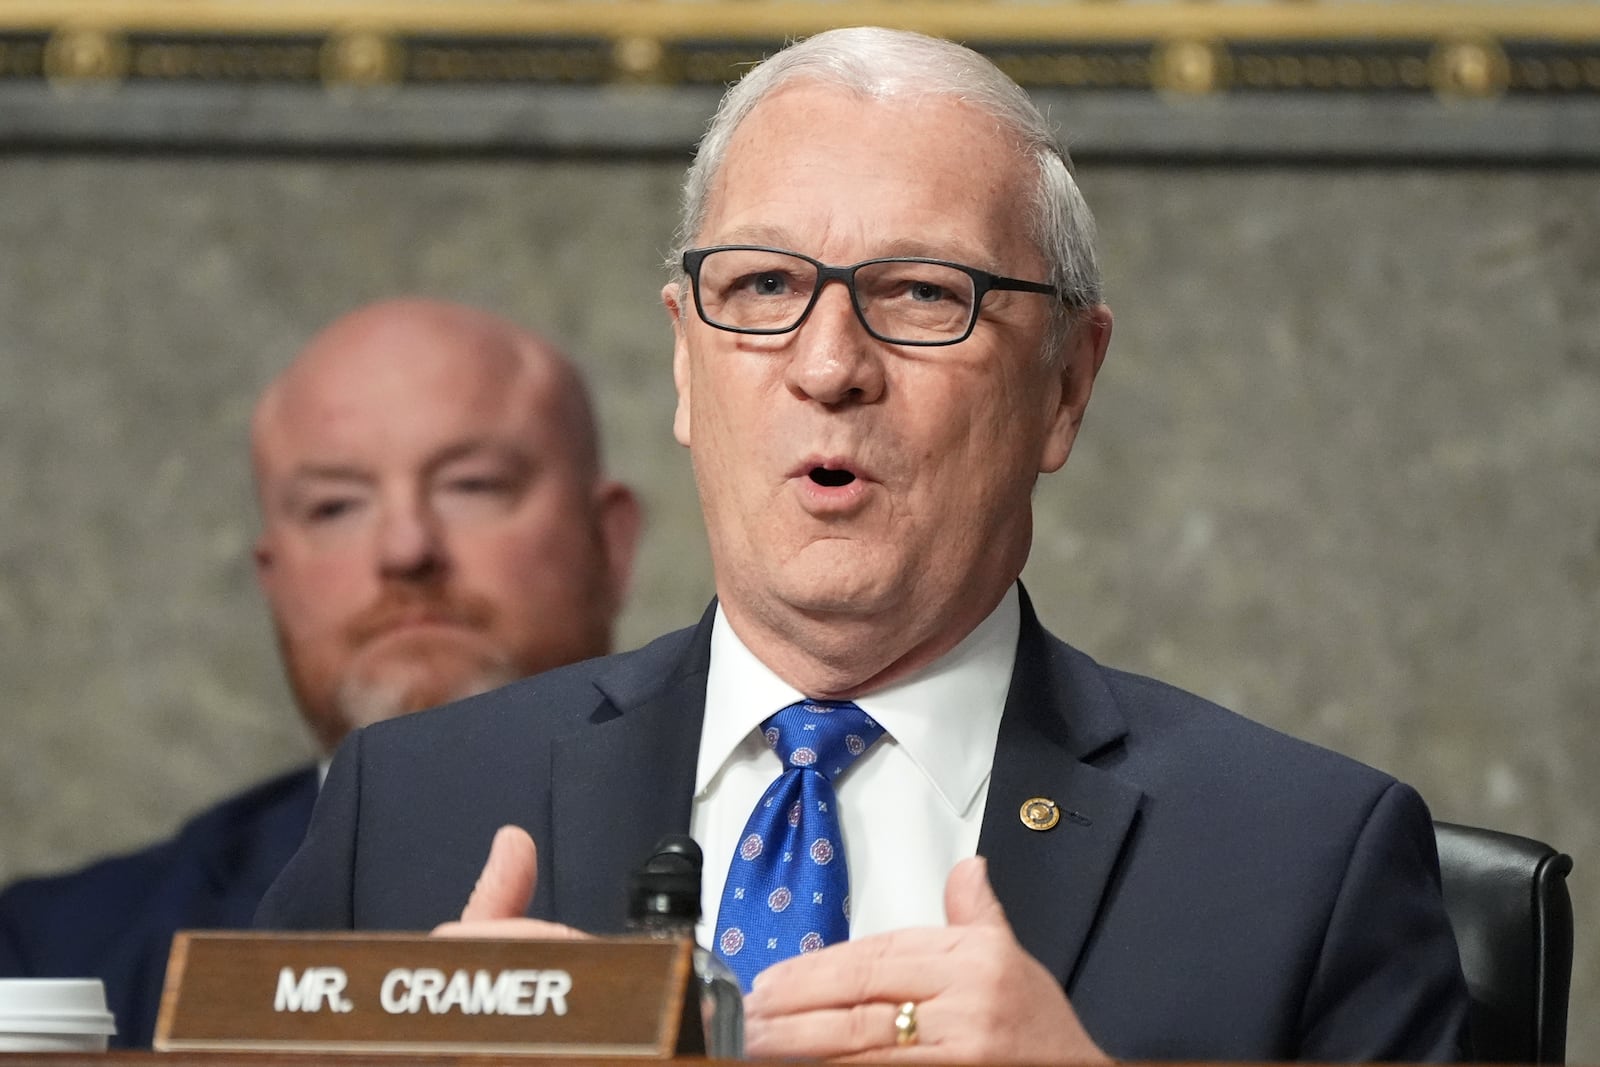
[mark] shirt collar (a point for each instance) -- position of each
(946, 716)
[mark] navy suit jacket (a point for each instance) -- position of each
(114, 919)
(1213, 890)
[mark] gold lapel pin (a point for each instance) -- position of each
(1040, 813)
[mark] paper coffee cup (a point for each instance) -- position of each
(54, 1015)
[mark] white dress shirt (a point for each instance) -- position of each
(909, 809)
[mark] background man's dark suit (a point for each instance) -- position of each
(1213, 890)
(115, 919)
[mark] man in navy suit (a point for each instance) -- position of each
(887, 321)
(434, 524)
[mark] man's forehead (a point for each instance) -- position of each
(401, 411)
(809, 114)
(410, 361)
(812, 156)
(421, 356)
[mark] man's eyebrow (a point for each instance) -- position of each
(327, 472)
(304, 478)
(912, 247)
(950, 251)
(480, 447)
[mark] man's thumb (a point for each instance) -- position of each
(505, 888)
(968, 899)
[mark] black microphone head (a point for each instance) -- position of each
(675, 852)
(667, 885)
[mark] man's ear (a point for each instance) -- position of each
(672, 295)
(619, 519)
(1079, 361)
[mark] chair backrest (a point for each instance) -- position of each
(1508, 905)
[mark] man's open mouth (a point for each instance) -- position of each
(830, 477)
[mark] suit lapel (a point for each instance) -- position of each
(1058, 716)
(626, 778)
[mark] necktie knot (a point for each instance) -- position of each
(825, 736)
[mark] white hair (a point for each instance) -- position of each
(879, 63)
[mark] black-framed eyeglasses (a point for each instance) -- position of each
(901, 301)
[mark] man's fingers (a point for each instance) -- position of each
(863, 1030)
(863, 1033)
(909, 964)
(509, 929)
(505, 888)
(968, 898)
(975, 995)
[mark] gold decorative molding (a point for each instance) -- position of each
(226, 61)
(1351, 70)
(461, 62)
(1178, 48)
(1470, 67)
(1190, 67)
(82, 55)
(1559, 73)
(363, 59)
(639, 58)
(22, 59)
(1140, 79)
(1081, 21)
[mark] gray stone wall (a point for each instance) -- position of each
(1341, 471)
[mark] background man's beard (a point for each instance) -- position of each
(402, 687)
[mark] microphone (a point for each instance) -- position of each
(664, 902)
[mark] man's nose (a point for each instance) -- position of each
(834, 360)
(410, 541)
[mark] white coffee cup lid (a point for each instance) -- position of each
(54, 1006)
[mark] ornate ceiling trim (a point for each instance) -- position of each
(1161, 57)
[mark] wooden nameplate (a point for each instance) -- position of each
(349, 992)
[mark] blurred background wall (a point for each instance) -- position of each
(1341, 471)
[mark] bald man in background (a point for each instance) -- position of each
(435, 523)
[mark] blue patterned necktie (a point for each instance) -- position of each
(788, 891)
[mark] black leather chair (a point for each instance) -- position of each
(1508, 905)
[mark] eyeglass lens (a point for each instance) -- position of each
(901, 300)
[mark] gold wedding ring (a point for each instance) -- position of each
(905, 1024)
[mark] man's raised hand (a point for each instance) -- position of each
(976, 995)
(499, 902)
